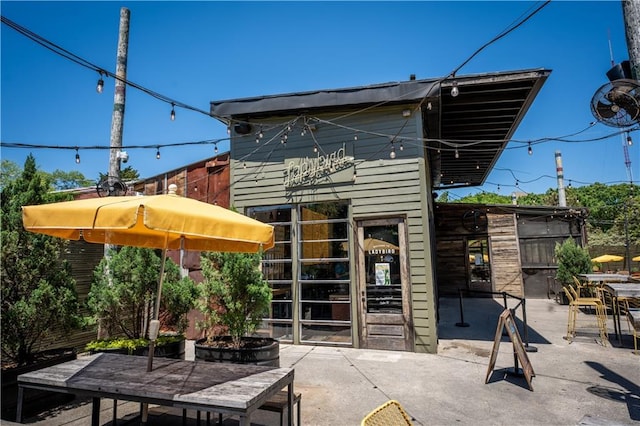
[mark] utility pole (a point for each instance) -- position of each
(631, 14)
(117, 118)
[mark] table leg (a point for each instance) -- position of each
(95, 412)
(617, 320)
(19, 407)
(290, 405)
(245, 420)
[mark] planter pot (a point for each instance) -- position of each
(35, 401)
(174, 350)
(257, 350)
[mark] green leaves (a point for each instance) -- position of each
(235, 294)
(38, 291)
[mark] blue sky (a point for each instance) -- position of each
(196, 52)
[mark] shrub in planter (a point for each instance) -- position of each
(572, 260)
(166, 346)
(235, 298)
(124, 291)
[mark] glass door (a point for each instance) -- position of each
(384, 285)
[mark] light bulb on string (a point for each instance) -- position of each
(100, 85)
(77, 156)
(315, 147)
(454, 90)
(173, 112)
(456, 153)
(530, 150)
(629, 140)
(215, 148)
(355, 137)
(158, 153)
(477, 165)
(229, 129)
(355, 175)
(260, 135)
(392, 154)
(244, 165)
(401, 147)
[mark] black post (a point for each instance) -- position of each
(527, 348)
(461, 323)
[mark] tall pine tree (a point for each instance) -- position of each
(38, 291)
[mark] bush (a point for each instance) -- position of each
(124, 291)
(38, 291)
(235, 294)
(572, 260)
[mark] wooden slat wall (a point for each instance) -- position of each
(83, 257)
(506, 272)
(384, 187)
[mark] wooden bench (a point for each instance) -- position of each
(276, 404)
(279, 403)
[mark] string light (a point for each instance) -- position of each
(355, 175)
(173, 112)
(77, 156)
(315, 147)
(530, 150)
(215, 148)
(158, 153)
(100, 85)
(355, 137)
(401, 147)
(392, 154)
(477, 165)
(229, 129)
(629, 140)
(456, 153)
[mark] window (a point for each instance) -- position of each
(324, 282)
(277, 269)
(319, 249)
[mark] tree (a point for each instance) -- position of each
(38, 291)
(235, 294)
(572, 261)
(124, 290)
(69, 180)
(9, 172)
(127, 174)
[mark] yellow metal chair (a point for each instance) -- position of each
(575, 303)
(390, 413)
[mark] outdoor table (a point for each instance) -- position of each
(237, 389)
(602, 278)
(625, 289)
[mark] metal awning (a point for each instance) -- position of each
(478, 123)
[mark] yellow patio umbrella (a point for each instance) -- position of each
(636, 259)
(606, 258)
(165, 221)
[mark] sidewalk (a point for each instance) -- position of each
(575, 383)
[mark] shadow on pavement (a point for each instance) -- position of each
(481, 315)
(630, 394)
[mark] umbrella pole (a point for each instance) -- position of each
(153, 328)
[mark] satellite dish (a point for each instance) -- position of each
(617, 103)
(111, 187)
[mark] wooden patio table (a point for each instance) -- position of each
(626, 289)
(236, 389)
(603, 278)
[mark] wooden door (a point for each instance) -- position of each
(383, 285)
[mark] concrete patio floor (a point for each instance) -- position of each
(577, 383)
